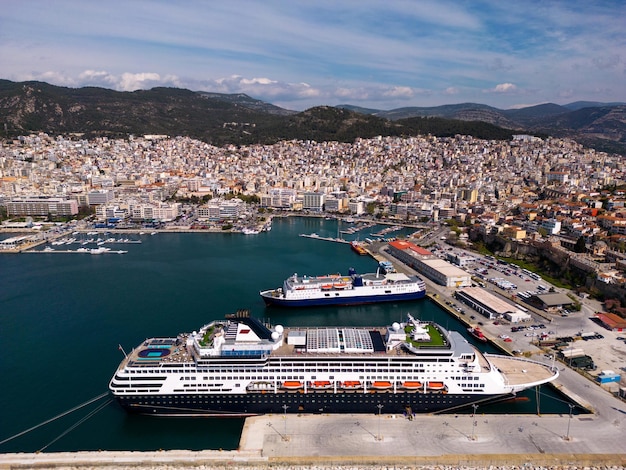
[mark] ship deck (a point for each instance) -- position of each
(520, 371)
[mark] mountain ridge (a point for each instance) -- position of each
(240, 119)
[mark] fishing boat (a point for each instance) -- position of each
(477, 333)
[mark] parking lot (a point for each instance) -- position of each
(577, 328)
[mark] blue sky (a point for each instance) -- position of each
(298, 54)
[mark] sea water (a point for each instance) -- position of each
(63, 318)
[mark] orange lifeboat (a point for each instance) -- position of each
(436, 385)
(327, 286)
(292, 384)
(351, 385)
(381, 384)
(412, 385)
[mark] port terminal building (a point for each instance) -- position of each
(552, 302)
(429, 265)
(491, 306)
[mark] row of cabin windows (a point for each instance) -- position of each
(248, 374)
(433, 399)
(324, 367)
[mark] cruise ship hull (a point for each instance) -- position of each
(272, 299)
(298, 402)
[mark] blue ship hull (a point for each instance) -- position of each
(356, 300)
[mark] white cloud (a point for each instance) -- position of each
(504, 88)
(258, 81)
(138, 81)
(399, 92)
(451, 91)
(97, 77)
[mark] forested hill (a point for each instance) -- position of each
(222, 119)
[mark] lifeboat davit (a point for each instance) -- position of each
(320, 385)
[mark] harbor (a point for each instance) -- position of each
(255, 440)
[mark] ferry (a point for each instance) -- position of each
(337, 289)
(240, 366)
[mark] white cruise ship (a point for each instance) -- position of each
(239, 366)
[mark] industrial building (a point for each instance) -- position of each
(491, 306)
(424, 262)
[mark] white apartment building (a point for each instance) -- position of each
(100, 196)
(552, 226)
(111, 211)
(356, 207)
(163, 212)
(313, 201)
(41, 206)
(219, 209)
(279, 198)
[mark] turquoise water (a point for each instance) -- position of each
(62, 317)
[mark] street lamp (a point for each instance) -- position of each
(285, 418)
(380, 407)
(474, 406)
(569, 420)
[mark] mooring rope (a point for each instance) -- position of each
(82, 405)
(75, 425)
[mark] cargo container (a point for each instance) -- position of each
(608, 376)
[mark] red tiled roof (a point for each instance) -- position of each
(405, 245)
(611, 320)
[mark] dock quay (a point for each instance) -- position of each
(315, 236)
(379, 441)
(88, 251)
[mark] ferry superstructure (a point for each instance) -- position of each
(240, 367)
(337, 289)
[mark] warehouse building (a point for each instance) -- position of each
(490, 305)
(424, 262)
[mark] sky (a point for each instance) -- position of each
(299, 54)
